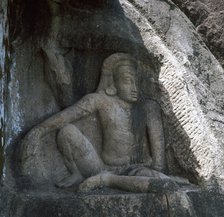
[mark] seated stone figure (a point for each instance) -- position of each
(133, 152)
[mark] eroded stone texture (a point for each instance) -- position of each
(85, 45)
(4, 57)
(1, 71)
(177, 70)
(106, 203)
(98, 203)
(185, 84)
(132, 133)
(181, 72)
(125, 162)
(207, 16)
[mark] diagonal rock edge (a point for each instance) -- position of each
(207, 16)
(178, 101)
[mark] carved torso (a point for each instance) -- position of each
(119, 142)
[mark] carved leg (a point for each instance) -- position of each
(128, 183)
(167, 187)
(144, 171)
(78, 153)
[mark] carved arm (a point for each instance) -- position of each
(156, 134)
(86, 106)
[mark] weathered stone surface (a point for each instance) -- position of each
(97, 203)
(106, 203)
(207, 204)
(184, 69)
(1, 71)
(177, 70)
(207, 16)
(130, 126)
(4, 48)
(69, 205)
(191, 65)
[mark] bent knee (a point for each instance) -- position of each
(67, 132)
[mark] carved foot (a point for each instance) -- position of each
(90, 184)
(72, 180)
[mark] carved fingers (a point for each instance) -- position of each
(31, 141)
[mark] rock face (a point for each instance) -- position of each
(3, 67)
(98, 203)
(207, 16)
(190, 55)
(56, 59)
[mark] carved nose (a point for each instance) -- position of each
(134, 89)
(134, 92)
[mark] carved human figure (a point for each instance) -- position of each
(133, 152)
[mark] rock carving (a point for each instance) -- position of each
(133, 152)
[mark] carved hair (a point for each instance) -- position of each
(109, 68)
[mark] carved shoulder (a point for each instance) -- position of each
(90, 102)
(92, 98)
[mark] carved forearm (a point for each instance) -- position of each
(158, 154)
(156, 135)
(86, 106)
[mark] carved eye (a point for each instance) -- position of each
(127, 80)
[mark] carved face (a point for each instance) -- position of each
(125, 84)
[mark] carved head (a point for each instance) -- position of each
(118, 77)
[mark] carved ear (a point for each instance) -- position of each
(111, 91)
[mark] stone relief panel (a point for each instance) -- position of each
(132, 154)
(108, 95)
(67, 66)
(127, 121)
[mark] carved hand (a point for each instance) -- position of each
(31, 142)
